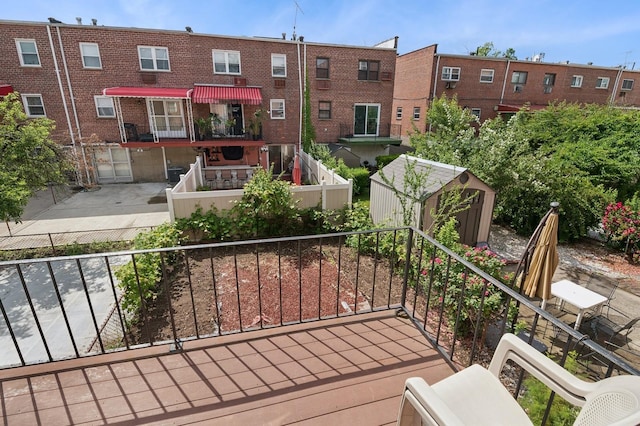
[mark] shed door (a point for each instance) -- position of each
(469, 220)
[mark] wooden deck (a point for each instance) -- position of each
(347, 371)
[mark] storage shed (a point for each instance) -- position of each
(473, 224)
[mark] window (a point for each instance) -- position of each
(486, 76)
(576, 81)
(277, 109)
(226, 62)
(399, 113)
(366, 118)
(153, 58)
(104, 106)
(33, 105)
(476, 112)
(451, 73)
(322, 67)
(519, 77)
(627, 84)
(28, 53)
(549, 79)
(90, 55)
(278, 65)
(416, 113)
(324, 110)
(368, 70)
(602, 83)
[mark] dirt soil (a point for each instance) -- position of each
(289, 276)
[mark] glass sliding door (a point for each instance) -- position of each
(366, 119)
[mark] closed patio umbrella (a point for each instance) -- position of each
(297, 172)
(544, 260)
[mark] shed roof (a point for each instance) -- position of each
(440, 174)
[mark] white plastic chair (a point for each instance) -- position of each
(475, 395)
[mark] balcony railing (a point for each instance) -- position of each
(72, 307)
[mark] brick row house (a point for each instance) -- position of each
(139, 104)
(491, 86)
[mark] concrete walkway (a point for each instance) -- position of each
(109, 207)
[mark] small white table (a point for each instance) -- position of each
(578, 296)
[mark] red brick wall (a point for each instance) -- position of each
(191, 62)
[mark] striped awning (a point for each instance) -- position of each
(205, 94)
(147, 92)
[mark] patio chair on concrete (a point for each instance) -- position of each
(601, 328)
(475, 395)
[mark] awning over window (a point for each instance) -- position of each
(227, 95)
(504, 108)
(5, 89)
(147, 92)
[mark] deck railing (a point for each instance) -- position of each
(76, 306)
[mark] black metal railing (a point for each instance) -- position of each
(60, 308)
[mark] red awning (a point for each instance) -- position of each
(147, 92)
(226, 94)
(5, 89)
(504, 108)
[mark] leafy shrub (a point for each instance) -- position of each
(139, 281)
(621, 224)
(536, 396)
(210, 225)
(383, 160)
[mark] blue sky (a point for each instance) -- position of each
(606, 33)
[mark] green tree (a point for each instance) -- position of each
(488, 49)
(29, 159)
(449, 135)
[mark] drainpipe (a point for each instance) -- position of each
(435, 83)
(64, 102)
(73, 105)
(504, 82)
(301, 106)
(615, 87)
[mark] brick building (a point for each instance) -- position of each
(491, 86)
(137, 104)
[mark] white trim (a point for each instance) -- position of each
(21, 53)
(226, 54)
(82, 55)
(272, 109)
(367, 105)
(487, 70)
(449, 73)
(416, 113)
(604, 82)
(27, 109)
(96, 98)
(626, 80)
(578, 79)
(154, 58)
(273, 65)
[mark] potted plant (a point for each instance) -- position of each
(255, 124)
(204, 127)
(230, 126)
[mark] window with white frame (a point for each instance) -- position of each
(28, 53)
(486, 75)
(90, 55)
(576, 81)
(278, 65)
(153, 58)
(519, 77)
(399, 113)
(602, 83)
(277, 109)
(416, 113)
(104, 106)
(33, 105)
(627, 84)
(476, 112)
(451, 73)
(226, 62)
